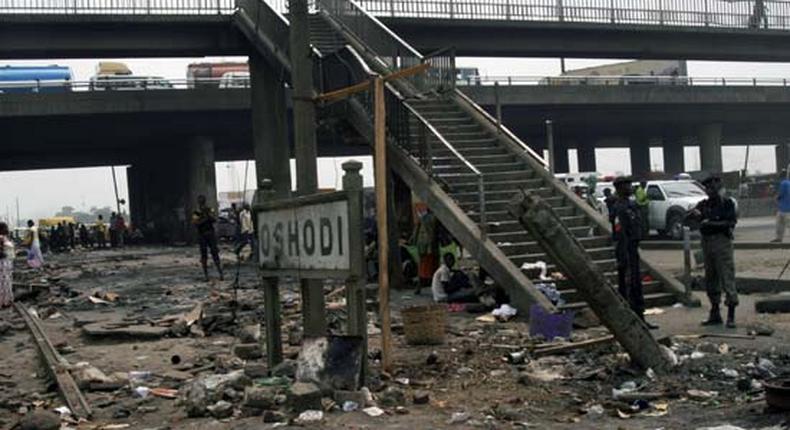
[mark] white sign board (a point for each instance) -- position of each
(311, 237)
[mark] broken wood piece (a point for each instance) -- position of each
(566, 347)
(564, 249)
(774, 304)
(636, 395)
(110, 330)
(56, 366)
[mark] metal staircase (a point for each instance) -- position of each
(451, 153)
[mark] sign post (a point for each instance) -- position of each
(317, 236)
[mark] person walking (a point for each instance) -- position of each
(627, 233)
(783, 200)
(34, 257)
(717, 218)
(203, 218)
(6, 267)
(246, 231)
(101, 232)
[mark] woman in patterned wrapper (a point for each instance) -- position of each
(6, 267)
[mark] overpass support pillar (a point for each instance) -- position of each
(782, 157)
(561, 162)
(202, 178)
(270, 126)
(640, 156)
(710, 147)
(163, 190)
(585, 154)
(674, 158)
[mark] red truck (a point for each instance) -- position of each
(212, 72)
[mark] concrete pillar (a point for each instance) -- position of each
(561, 162)
(710, 147)
(782, 157)
(585, 154)
(674, 157)
(270, 126)
(202, 178)
(158, 190)
(640, 156)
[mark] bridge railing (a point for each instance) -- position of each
(123, 85)
(773, 14)
(118, 7)
(622, 81)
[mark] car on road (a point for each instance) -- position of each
(669, 202)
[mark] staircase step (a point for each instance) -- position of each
(598, 254)
(524, 236)
(572, 295)
(502, 194)
(440, 150)
(533, 247)
(484, 168)
(651, 300)
(472, 187)
(477, 160)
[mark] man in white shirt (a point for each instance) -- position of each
(441, 278)
(451, 286)
(246, 230)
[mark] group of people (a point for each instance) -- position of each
(68, 236)
(204, 218)
(715, 217)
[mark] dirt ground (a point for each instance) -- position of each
(470, 382)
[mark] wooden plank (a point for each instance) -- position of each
(273, 321)
(365, 85)
(381, 173)
(56, 366)
(573, 346)
(562, 247)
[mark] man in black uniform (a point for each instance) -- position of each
(717, 217)
(626, 233)
(204, 218)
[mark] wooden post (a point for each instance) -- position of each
(380, 149)
(355, 285)
(271, 314)
(565, 250)
(271, 292)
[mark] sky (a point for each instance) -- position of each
(42, 193)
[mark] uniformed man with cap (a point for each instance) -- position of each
(627, 233)
(717, 217)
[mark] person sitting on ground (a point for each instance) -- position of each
(450, 285)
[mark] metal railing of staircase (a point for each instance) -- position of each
(402, 118)
(389, 49)
(502, 129)
(118, 7)
(755, 15)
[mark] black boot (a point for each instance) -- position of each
(715, 316)
(205, 272)
(731, 316)
(649, 325)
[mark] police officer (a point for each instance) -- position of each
(717, 217)
(626, 233)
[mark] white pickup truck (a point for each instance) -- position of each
(669, 202)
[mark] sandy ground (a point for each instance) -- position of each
(471, 375)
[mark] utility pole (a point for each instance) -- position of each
(313, 307)
(17, 213)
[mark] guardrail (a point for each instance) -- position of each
(622, 81)
(755, 14)
(118, 7)
(122, 84)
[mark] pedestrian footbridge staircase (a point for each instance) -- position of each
(449, 151)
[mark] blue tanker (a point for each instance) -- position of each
(35, 79)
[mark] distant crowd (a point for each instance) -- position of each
(65, 236)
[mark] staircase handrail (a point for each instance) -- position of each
(506, 131)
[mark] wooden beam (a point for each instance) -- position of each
(564, 249)
(365, 85)
(381, 172)
(56, 366)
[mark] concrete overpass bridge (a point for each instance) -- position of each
(127, 125)
(586, 117)
(650, 29)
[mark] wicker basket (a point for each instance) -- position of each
(424, 325)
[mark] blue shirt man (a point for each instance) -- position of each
(783, 200)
